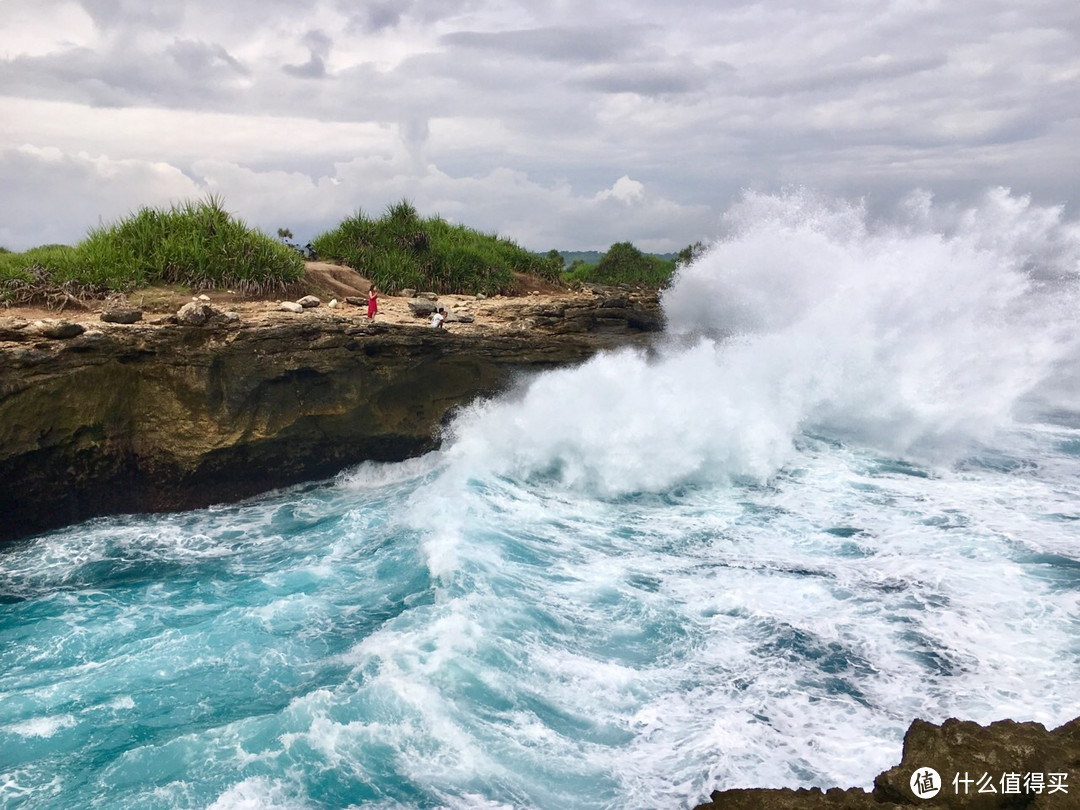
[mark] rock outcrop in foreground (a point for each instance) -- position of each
(148, 417)
(1003, 765)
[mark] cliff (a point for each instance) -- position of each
(99, 418)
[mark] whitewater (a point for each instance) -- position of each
(840, 493)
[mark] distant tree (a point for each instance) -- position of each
(625, 264)
(552, 266)
(284, 234)
(690, 254)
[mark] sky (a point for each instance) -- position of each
(568, 125)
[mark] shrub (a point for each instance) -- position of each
(401, 250)
(197, 244)
(624, 264)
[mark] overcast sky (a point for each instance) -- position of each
(559, 124)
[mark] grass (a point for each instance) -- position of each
(196, 244)
(401, 250)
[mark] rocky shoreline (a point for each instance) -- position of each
(957, 764)
(99, 416)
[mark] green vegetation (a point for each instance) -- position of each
(196, 244)
(624, 264)
(401, 250)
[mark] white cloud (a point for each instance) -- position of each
(625, 190)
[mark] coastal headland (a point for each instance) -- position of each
(237, 397)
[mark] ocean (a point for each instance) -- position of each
(841, 492)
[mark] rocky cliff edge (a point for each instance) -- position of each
(99, 417)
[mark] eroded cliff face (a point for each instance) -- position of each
(167, 417)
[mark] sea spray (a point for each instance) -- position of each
(806, 317)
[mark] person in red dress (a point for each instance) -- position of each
(372, 302)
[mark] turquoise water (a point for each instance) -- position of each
(733, 562)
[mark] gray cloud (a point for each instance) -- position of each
(204, 59)
(556, 43)
(158, 14)
(313, 68)
(528, 111)
(648, 79)
(318, 45)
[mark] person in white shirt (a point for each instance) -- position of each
(438, 318)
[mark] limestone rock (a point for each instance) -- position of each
(333, 303)
(1005, 752)
(408, 292)
(167, 418)
(13, 329)
(957, 747)
(197, 313)
(122, 315)
(421, 307)
(309, 301)
(291, 306)
(428, 296)
(57, 330)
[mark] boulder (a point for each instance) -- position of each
(122, 315)
(421, 307)
(197, 313)
(309, 301)
(291, 306)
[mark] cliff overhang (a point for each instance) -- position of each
(165, 417)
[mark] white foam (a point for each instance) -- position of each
(259, 793)
(43, 727)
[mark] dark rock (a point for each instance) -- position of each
(57, 330)
(356, 301)
(309, 301)
(122, 315)
(1003, 755)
